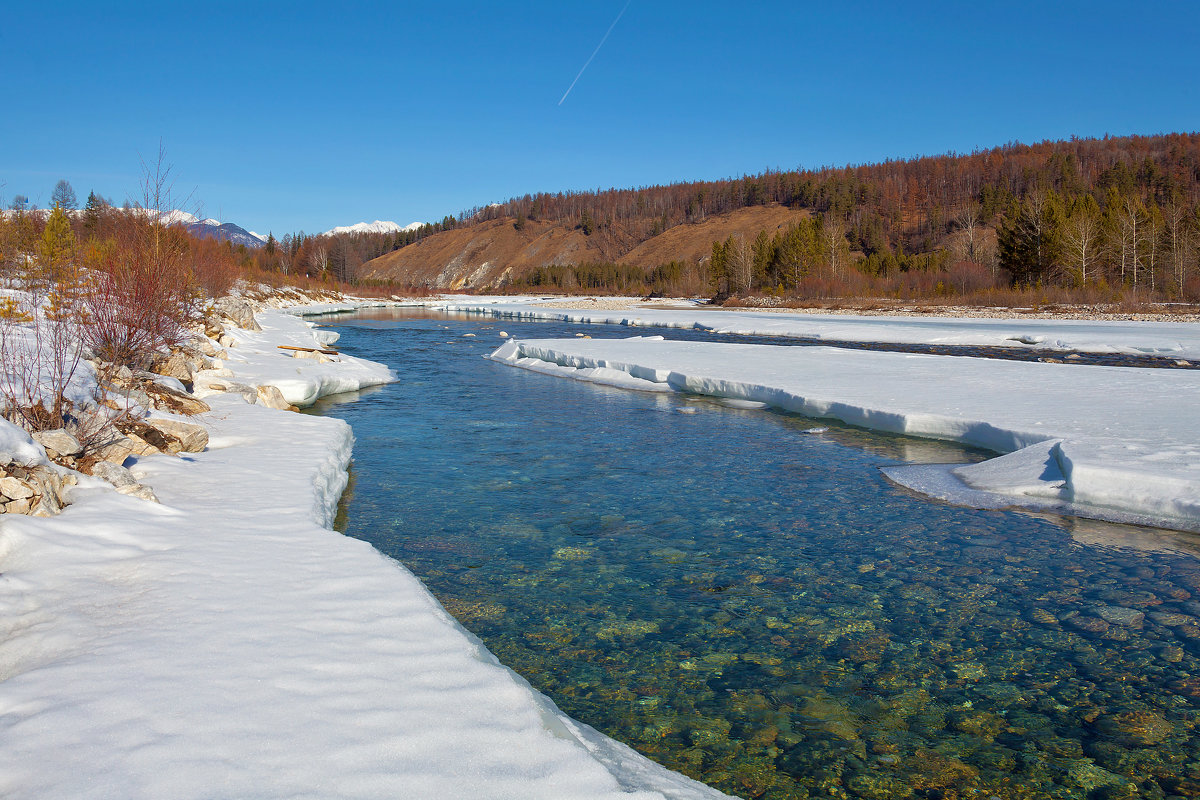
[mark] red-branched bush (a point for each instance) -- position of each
(141, 292)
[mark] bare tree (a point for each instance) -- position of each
(833, 234)
(1081, 241)
(1130, 217)
(1179, 240)
(64, 196)
(319, 259)
(969, 225)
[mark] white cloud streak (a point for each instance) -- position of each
(597, 50)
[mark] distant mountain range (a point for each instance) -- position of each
(214, 229)
(378, 226)
(200, 228)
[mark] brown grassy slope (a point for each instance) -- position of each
(487, 254)
(692, 242)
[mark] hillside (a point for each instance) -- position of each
(491, 253)
(1100, 214)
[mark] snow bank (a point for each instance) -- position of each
(257, 360)
(1113, 442)
(1166, 339)
(226, 644)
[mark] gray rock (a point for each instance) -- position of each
(177, 366)
(140, 491)
(1117, 615)
(49, 505)
(116, 448)
(117, 475)
(58, 442)
(238, 311)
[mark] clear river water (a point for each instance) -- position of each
(742, 596)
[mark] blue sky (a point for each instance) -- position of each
(289, 116)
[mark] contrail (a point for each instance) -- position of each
(597, 50)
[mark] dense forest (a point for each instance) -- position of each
(1111, 213)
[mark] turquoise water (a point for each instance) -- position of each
(743, 597)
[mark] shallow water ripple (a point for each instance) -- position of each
(759, 608)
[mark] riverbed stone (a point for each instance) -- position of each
(1118, 615)
(1170, 619)
(1087, 624)
(1135, 728)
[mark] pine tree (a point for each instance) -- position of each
(1030, 237)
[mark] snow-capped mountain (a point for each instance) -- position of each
(213, 229)
(378, 226)
(201, 228)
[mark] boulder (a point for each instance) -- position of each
(48, 505)
(138, 430)
(315, 355)
(175, 401)
(58, 442)
(237, 311)
(140, 491)
(177, 366)
(117, 475)
(271, 397)
(14, 489)
(116, 448)
(193, 438)
(22, 506)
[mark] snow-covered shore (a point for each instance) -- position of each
(1112, 442)
(226, 643)
(1163, 339)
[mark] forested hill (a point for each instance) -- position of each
(1033, 211)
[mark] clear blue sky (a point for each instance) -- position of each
(291, 116)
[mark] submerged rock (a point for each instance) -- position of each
(1135, 728)
(1117, 615)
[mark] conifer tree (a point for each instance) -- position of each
(1030, 237)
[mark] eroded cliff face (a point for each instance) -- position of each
(489, 254)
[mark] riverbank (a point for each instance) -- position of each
(225, 642)
(1174, 340)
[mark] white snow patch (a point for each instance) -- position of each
(1164, 339)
